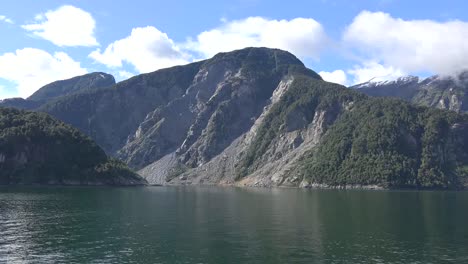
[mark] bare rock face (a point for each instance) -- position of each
(315, 134)
(184, 118)
(112, 116)
(298, 133)
(226, 96)
(259, 117)
(192, 112)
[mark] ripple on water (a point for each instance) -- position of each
(230, 225)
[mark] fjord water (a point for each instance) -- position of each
(231, 225)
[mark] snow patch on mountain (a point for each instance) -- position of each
(377, 82)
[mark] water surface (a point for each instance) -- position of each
(231, 225)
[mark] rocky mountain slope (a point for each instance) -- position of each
(37, 149)
(117, 117)
(91, 81)
(259, 117)
(323, 135)
(444, 92)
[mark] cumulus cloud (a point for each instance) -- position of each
(338, 76)
(6, 19)
(409, 45)
(147, 49)
(31, 68)
(374, 71)
(125, 74)
(304, 37)
(65, 26)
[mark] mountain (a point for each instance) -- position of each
(91, 81)
(259, 117)
(20, 103)
(444, 92)
(182, 95)
(38, 149)
(319, 134)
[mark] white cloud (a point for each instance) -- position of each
(374, 71)
(6, 19)
(31, 68)
(338, 76)
(147, 49)
(125, 74)
(65, 26)
(409, 45)
(304, 37)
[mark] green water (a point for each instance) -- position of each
(231, 225)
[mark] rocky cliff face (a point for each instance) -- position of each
(112, 115)
(291, 124)
(258, 117)
(316, 134)
(222, 102)
(443, 92)
(49, 92)
(150, 115)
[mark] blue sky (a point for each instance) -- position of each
(346, 41)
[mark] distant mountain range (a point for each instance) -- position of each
(259, 117)
(444, 92)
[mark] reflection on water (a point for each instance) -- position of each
(231, 225)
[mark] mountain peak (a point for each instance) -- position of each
(92, 80)
(267, 58)
(441, 91)
(260, 52)
(375, 82)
